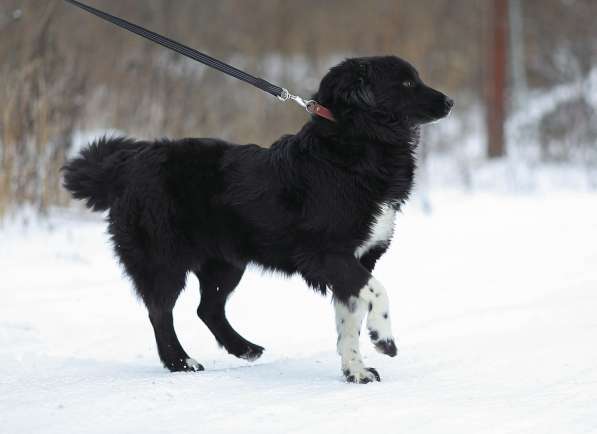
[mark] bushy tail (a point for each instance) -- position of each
(96, 175)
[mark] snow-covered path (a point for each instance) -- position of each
(494, 302)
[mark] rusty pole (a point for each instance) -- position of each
(496, 85)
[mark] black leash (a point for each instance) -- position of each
(281, 93)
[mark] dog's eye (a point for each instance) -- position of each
(408, 83)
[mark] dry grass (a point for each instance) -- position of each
(62, 70)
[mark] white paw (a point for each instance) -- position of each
(361, 375)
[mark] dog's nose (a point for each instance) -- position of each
(449, 104)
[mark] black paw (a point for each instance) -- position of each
(184, 365)
(387, 347)
(362, 376)
(244, 349)
(252, 352)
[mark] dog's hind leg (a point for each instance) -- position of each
(159, 288)
(356, 294)
(217, 280)
(143, 242)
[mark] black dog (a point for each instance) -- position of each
(320, 203)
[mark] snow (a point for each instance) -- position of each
(455, 149)
(493, 298)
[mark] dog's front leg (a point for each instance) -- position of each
(356, 294)
(348, 324)
(378, 319)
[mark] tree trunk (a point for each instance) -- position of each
(496, 95)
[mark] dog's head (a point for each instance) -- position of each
(388, 87)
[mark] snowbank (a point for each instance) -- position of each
(493, 299)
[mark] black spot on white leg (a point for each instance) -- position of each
(378, 319)
(387, 347)
(352, 306)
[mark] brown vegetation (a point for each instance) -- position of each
(62, 69)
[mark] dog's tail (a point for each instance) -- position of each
(96, 175)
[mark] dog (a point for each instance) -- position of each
(320, 203)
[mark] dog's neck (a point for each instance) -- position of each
(384, 158)
(346, 136)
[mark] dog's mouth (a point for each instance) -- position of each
(438, 112)
(448, 106)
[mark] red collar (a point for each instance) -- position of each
(315, 108)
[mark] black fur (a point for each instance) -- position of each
(302, 206)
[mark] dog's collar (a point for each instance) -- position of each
(315, 108)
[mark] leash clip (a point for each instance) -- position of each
(306, 104)
(284, 95)
(310, 105)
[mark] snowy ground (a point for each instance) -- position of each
(494, 300)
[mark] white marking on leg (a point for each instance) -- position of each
(381, 230)
(348, 324)
(378, 318)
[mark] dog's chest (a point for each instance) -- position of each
(380, 232)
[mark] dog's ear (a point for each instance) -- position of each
(356, 90)
(347, 86)
(360, 93)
